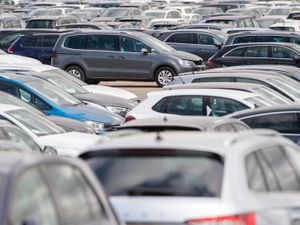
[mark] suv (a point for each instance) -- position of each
(116, 55)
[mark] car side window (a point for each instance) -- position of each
(75, 42)
(128, 44)
(30, 41)
(283, 53)
(47, 41)
(205, 39)
(169, 15)
(33, 100)
(249, 80)
(74, 195)
(176, 15)
(213, 79)
(248, 22)
(187, 38)
(8, 88)
(183, 105)
(224, 128)
(240, 126)
(239, 52)
(223, 106)
(246, 39)
(102, 42)
(262, 51)
(282, 122)
(31, 201)
(241, 23)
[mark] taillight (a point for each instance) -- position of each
(244, 219)
(10, 51)
(129, 118)
(211, 64)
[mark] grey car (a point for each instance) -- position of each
(36, 189)
(118, 55)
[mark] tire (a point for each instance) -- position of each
(164, 76)
(92, 81)
(77, 72)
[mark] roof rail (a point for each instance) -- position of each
(250, 133)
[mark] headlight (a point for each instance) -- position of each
(117, 110)
(99, 127)
(186, 63)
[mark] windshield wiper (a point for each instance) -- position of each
(153, 191)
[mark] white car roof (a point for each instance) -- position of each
(234, 94)
(33, 67)
(5, 108)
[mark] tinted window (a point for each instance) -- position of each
(31, 201)
(181, 105)
(76, 198)
(213, 79)
(239, 52)
(39, 41)
(75, 42)
(260, 51)
(282, 122)
(188, 38)
(174, 175)
(128, 44)
(40, 24)
(205, 39)
(8, 88)
(223, 106)
(247, 39)
(102, 42)
(280, 52)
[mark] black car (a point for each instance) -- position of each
(263, 36)
(257, 53)
(237, 21)
(285, 119)
(204, 43)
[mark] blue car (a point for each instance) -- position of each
(54, 101)
(39, 46)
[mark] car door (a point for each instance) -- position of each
(31, 201)
(131, 61)
(234, 57)
(208, 45)
(286, 123)
(46, 45)
(185, 41)
(283, 56)
(101, 56)
(27, 46)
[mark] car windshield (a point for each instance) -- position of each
(287, 87)
(266, 23)
(40, 24)
(160, 175)
(272, 95)
(66, 75)
(20, 138)
(279, 12)
(257, 102)
(40, 13)
(115, 12)
(53, 93)
(157, 15)
(66, 85)
(35, 123)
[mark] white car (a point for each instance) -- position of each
(100, 89)
(46, 133)
(201, 178)
(163, 14)
(11, 59)
(201, 102)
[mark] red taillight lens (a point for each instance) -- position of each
(211, 63)
(245, 219)
(129, 118)
(10, 51)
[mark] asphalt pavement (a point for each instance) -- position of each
(140, 88)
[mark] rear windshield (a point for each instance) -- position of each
(160, 175)
(40, 24)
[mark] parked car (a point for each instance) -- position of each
(195, 102)
(163, 14)
(116, 12)
(262, 36)
(279, 11)
(281, 84)
(268, 21)
(204, 43)
(183, 123)
(8, 22)
(284, 119)
(212, 174)
(237, 21)
(259, 89)
(256, 53)
(39, 189)
(49, 22)
(286, 26)
(54, 101)
(46, 133)
(88, 56)
(99, 89)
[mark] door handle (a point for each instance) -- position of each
(111, 57)
(121, 57)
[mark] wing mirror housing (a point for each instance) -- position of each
(48, 150)
(144, 51)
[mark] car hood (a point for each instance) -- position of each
(71, 125)
(70, 144)
(105, 100)
(89, 112)
(185, 56)
(16, 59)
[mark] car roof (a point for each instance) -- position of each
(5, 107)
(193, 122)
(18, 77)
(228, 17)
(217, 142)
(50, 17)
(265, 109)
(37, 67)
(216, 85)
(291, 45)
(265, 32)
(208, 31)
(220, 92)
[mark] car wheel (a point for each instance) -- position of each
(164, 76)
(93, 81)
(77, 72)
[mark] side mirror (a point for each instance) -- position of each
(219, 46)
(144, 51)
(48, 150)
